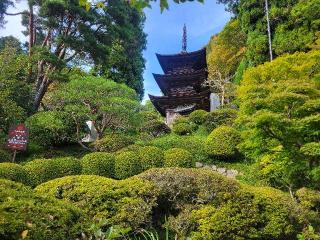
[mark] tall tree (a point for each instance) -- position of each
(62, 32)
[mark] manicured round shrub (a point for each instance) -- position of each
(14, 172)
(127, 203)
(253, 213)
(4, 156)
(150, 157)
(225, 116)
(222, 142)
(113, 142)
(194, 144)
(98, 163)
(198, 116)
(42, 170)
(177, 157)
(29, 214)
(51, 128)
(127, 164)
(155, 128)
(183, 128)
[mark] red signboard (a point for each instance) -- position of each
(18, 137)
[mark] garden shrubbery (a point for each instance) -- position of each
(4, 156)
(224, 116)
(113, 142)
(222, 142)
(177, 157)
(127, 164)
(51, 128)
(198, 116)
(194, 144)
(29, 215)
(127, 203)
(183, 126)
(98, 163)
(14, 172)
(150, 157)
(42, 170)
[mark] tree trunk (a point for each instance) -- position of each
(39, 95)
(31, 39)
(269, 30)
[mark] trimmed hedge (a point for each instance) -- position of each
(51, 128)
(127, 164)
(42, 170)
(150, 157)
(14, 172)
(198, 116)
(98, 163)
(222, 142)
(225, 116)
(128, 203)
(252, 213)
(177, 157)
(194, 144)
(113, 142)
(37, 217)
(183, 128)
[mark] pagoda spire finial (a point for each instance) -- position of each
(184, 39)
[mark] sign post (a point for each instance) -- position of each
(18, 139)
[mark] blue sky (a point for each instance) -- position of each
(164, 31)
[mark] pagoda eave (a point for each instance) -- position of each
(162, 103)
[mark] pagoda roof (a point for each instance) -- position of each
(194, 79)
(183, 62)
(200, 100)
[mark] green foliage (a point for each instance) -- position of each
(309, 198)
(183, 126)
(127, 164)
(51, 128)
(198, 116)
(42, 170)
(4, 156)
(224, 116)
(252, 213)
(126, 203)
(279, 118)
(150, 157)
(309, 234)
(28, 215)
(222, 142)
(153, 124)
(14, 172)
(113, 142)
(193, 144)
(98, 163)
(177, 157)
(108, 104)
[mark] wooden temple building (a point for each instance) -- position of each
(182, 83)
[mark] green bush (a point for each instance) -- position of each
(225, 116)
(182, 128)
(14, 172)
(193, 144)
(98, 163)
(177, 157)
(4, 156)
(42, 170)
(309, 198)
(155, 128)
(24, 212)
(253, 213)
(51, 128)
(198, 116)
(222, 142)
(113, 142)
(127, 164)
(150, 157)
(127, 203)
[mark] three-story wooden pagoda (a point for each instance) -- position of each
(182, 83)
